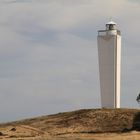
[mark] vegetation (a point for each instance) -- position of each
(86, 121)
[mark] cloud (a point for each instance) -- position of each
(17, 1)
(134, 1)
(49, 59)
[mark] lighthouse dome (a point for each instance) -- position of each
(111, 22)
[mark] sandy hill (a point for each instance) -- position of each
(86, 121)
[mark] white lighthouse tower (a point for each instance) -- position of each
(109, 54)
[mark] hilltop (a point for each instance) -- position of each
(85, 122)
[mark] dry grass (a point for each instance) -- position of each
(95, 124)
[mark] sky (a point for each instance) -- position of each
(49, 58)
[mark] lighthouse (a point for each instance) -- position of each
(109, 56)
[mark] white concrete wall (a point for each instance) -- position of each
(118, 78)
(109, 47)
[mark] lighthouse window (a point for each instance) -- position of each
(111, 27)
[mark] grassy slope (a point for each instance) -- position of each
(82, 121)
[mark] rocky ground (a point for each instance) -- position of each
(90, 124)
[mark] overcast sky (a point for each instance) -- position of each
(48, 54)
